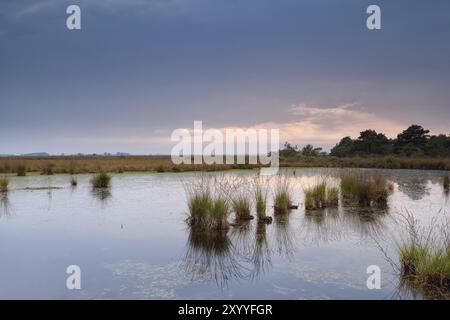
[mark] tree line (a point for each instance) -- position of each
(414, 141)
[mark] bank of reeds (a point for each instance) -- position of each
(208, 206)
(365, 188)
(21, 170)
(425, 258)
(101, 181)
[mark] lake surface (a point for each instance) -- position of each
(133, 242)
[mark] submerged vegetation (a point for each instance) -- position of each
(446, 183)
(425, 258)
(4, 182)
(101, 181)
(365, 188)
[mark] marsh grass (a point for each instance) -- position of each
(208, 206)
(48, 169)
(260, 193)
(101, 181)
(366, 188)
(321, 195)
(21, 170)
(73, 181)
(282, 195)
(425, 257)
(4, 183)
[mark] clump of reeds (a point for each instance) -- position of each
(241, 206)
(101, 181)
(366, 188)
(48, 169)
(73, 181)
(446, 183)
(21, 170)
(4, 183)
(321, 196)
(282, 195)
(425, 257)
(208, 206)
(160, 169)
(260, 197)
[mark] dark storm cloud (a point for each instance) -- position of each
(139, 69)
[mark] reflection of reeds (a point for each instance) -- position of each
(284, 236)
(73, 181)
(446, 184)
(261, 256)
(425, 258)
(4, 204)
(210, 255)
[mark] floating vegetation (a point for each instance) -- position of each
(366, 188)
(425, 258)
(208, 206)
(101, 181)
(4, 183)
(283, 195)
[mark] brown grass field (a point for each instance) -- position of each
(118, 164)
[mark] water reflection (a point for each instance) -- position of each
(322, 226)
(367, 222)
(261, 255)
(284, 235)
(4, 205)
(211, 255)
(103, 195)
(416, 188)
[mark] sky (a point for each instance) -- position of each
(139, 69)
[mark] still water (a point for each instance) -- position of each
(133, 243)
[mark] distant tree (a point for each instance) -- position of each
(438, 146)
(371, 142)
(345, 148)
(415, 136)
(289, 150)
(310, 151)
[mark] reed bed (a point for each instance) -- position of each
(365, 188)
(321, 195)
(101, 181)
(4, 183)
(425, 257)
(282, 194)
(208, 206)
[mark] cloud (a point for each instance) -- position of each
(325, 126)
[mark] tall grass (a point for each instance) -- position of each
(101, 181)
(4, 183)
(260, 197)
(282, 194)
(366, 188)
(21, 170)
(321, 196)
(208, 206)
(425, 257)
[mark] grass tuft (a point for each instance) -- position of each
(101, 181)
(4, 183)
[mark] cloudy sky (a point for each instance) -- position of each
(139, 69)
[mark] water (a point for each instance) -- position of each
(133, 242)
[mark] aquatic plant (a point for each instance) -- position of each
(282, 195)
(241, 206)
(48, 169)
(366, 188)
(21, 170)
(101, 181)
(73, 181)
(208, 206)
(425, 257)
(4, 182)
(321, 196)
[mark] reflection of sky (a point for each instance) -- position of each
(139, 69)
